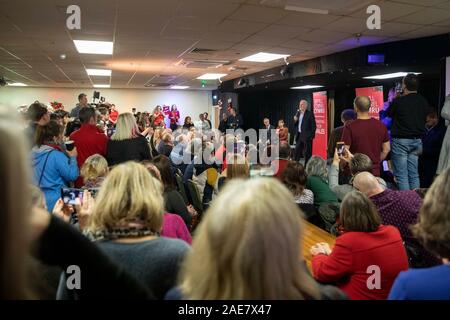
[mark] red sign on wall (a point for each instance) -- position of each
(376, 98)
(320, 107)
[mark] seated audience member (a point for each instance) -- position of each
(127, 144)
(367, 135)
(398, 208)
(188, 123)
(125, 223)
(193, 153)
(294, 178)
(205, 174)
(364, 243)
(166, 145)
(38, 115)
(89, 140)
(53, 169)
(94, 171)
(177, 153)
(347, 116)
(173, 224)
(54, 242)
(324, 199)
(237, 168)
(431, 149)
(173, 200)
(246, 238)
(283, 132)
(357, 163)
(284, 155)
(317, 181)
(433, 231)
(227, 145)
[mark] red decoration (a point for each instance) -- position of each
(57, 105)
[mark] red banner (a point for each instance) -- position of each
(320, 107)
(376, 98)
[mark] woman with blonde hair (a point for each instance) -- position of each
(94, 171)
(248, 247)
(126, 223)
(127, 143)
(237, 168)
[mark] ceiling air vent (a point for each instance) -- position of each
(202, 64)
(202, 51)
(159, 80)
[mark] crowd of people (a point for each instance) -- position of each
(177, 213)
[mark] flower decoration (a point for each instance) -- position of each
(57, 105)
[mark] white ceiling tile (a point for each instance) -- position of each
(390, 10)
(258, 14)
(389, 29)
(346, 24)
(427, 3)
(308, 20)
(425, 32)
(324, 36)
(240, 26)
(283, 31)
(426, 16)
(299, 44)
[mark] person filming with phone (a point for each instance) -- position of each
(305, 126)
(53, 168)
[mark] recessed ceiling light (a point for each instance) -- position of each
(391, 75)
(264, 57)
(212, 76)
(17, 84)
(102, 86)
(94, 47)
(306, 87)
(98, 72)
(179, 87)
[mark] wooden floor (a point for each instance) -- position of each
(311, 236)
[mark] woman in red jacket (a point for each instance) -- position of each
(158, 118)
(366, 258)
(174, 116)
(283, 132)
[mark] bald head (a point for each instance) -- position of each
(367, 184)
(362, 104)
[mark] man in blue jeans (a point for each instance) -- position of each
(408, 113)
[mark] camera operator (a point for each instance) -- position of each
(82, 103)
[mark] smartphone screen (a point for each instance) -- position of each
(68, 195)
(340, 148)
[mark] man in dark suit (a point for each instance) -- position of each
(267, 126)
(235, 120)
(305, 131)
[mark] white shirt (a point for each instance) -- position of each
(300, 120)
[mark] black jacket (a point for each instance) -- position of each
(308, 126)
(235, 122)
(136, 149)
